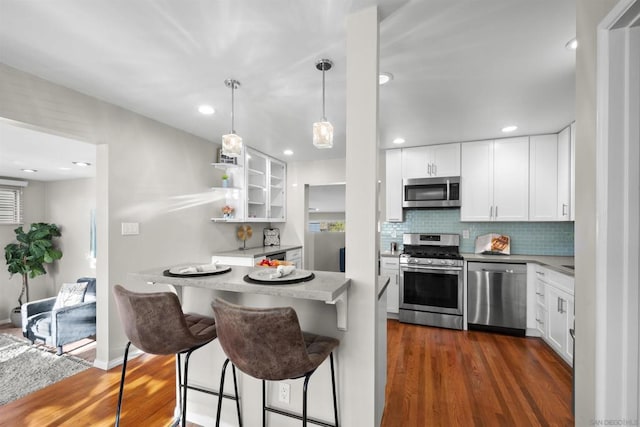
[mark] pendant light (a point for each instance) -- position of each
(323, 130)
(232, 143)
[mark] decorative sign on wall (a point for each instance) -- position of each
(271, 237)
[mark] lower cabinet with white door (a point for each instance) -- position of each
(554, 308)
(390, 266)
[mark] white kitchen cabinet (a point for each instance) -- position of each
(565, 171)
(572, 162)
(431, 161)
(559, 321)
(543, 178)
(555, 301)
(390, 266)
(294, 256)
(265, 188)
(495, 180)
(393, 185)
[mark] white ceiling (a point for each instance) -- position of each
(51, 155)
(462, 69)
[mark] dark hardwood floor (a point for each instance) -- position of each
(436, 377)
(439, 377)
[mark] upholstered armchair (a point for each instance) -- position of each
(66, 318)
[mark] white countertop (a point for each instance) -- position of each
(557, 263)
(258, 251)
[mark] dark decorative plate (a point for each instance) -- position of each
(173, 272)
(263, 276)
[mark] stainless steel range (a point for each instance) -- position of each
(431, 280)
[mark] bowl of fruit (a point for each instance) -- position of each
(273, 263)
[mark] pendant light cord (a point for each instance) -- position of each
(324, 117)
(233, 86)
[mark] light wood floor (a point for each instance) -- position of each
(436, 377)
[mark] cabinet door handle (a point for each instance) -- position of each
(564, 209)
(558, 305)
(491, 212)
(429, 169)
(540, 293)
(496, 212)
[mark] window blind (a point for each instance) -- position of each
(11, 208)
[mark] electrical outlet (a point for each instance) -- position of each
(465, 234)
(394, 234)
(283, 392)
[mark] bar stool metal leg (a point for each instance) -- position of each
(264, 404)
(304, 398)
(333, 386)
(124, 370)
(221, 393)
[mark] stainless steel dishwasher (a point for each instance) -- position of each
(497, 297)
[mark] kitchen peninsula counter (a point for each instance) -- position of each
(326, 286)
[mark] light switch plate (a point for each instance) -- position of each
(465, 234)
(130, 228)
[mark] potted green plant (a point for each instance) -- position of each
(225, 180)
(28, 256)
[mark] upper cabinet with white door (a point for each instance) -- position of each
(543, 178)
(572, 162)
(551, 177)
(431, 161)
(565, 174)
(495, 180)
(393, 185)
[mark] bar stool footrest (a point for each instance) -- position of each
(211, 391)
(297, 416)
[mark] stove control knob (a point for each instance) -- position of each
(428, 261)
(442, 262)
(413, 261)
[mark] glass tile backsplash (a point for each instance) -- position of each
(527, 238)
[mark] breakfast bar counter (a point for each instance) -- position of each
(326, 286)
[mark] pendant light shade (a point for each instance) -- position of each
(232, 143)
(323, 130)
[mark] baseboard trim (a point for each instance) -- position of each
(106, 365)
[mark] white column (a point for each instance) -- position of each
(361, 217)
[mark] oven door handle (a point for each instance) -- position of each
(454, 270)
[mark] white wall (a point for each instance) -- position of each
(588, 15)
(39, 287)
(69, 204)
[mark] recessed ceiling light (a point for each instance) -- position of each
(508, 129)
(572, 44)
(399, 141)
(288, 152)
(207, 110)
(82, 164)
(384, 78)
(30, 170)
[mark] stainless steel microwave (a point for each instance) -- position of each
(441, 192)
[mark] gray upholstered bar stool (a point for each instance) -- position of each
(155, 323)
(268, 344)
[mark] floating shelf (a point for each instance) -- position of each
(256, 203)
(256, 186)
(225, 165)
(255, 172)
(220, 219)
(226, 188)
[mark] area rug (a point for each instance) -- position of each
(25, 368)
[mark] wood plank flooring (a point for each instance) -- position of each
(436, 377)
(439, 377)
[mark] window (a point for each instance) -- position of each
(11, 208)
